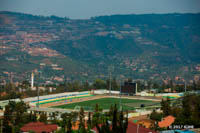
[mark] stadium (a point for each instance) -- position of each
(73, 101)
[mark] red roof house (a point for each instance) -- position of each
(167, 121)
(134, 128)
(39, 127)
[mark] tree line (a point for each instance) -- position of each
(186, 111)
(11, 91)
(16, 115)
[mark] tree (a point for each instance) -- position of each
(196, 114)
(82, 120)
(25, 85)
(69, 125)
(43, 117)
(99, 84)
(130, 80)
(119, 123)
(96, 116)
(156, 116)
(186, 106)
(54, 117)
(156, 86)
(9, 87)
(74, 116)
(32, 117)
(171, 84)
(96, 108)
(164, 86)
(165, 106)
(14, 116)
(189, 111)
(115, 85)
(89, 122)
(7, 119)
(66, 123)
(114, 119)
(140, 86)
(86, 86)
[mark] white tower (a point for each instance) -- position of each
(32, 80)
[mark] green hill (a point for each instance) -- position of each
(150, 46)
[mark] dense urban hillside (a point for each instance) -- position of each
(158, 47)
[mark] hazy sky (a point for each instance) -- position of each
(79, 9)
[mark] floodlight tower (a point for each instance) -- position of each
(185, 82)
(185, 86)
(136, 88)
(120, 93)
(11, 77)
(110, 69)
(38, 98)
(121, 81)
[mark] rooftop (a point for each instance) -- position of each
(167, 121)
(39, 127)
(132, 128)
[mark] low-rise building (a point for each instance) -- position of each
(133, 128)
(39, 127)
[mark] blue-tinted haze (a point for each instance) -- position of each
(80, 9)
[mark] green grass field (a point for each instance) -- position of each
(105, 103)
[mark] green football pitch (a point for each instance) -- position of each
(105, 103)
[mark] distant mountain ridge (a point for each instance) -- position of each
(151, 46)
